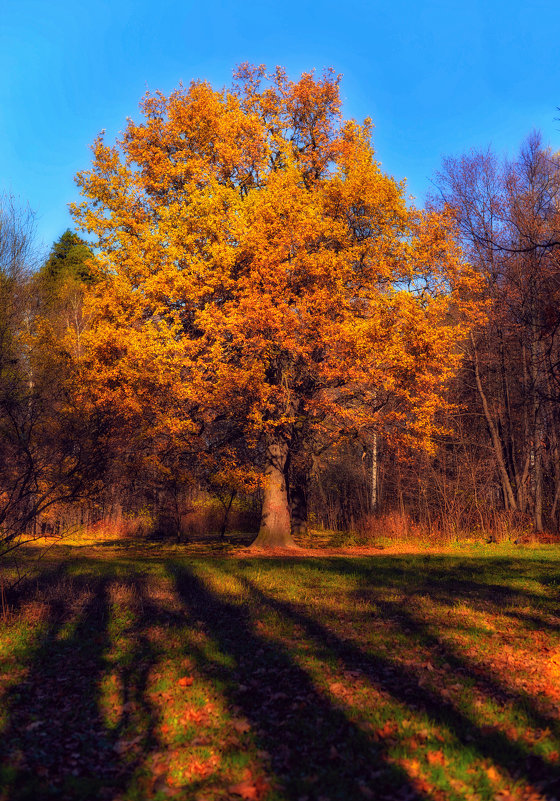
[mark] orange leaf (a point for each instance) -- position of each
(436, 758)
(185, 681)
(246, 790)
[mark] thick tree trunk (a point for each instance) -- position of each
(275, 529)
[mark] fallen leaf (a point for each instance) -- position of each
(436, 758)
(185, 681)
(389, 729)
(246, 790)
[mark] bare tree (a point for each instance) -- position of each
(509, 215)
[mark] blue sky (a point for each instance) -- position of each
(437, 77)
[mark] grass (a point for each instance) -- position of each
(163, 673)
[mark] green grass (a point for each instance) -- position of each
(167, 674)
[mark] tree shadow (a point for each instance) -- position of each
(57, 742)
(405, 685)
(22, 589)
(315, 751)
(452, 585)
(472, 582)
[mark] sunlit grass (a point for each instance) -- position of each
(395, 677)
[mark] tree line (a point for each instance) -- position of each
(253, 312)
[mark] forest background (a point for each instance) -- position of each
(489, 465)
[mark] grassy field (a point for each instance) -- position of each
(166, 674)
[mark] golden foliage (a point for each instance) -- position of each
(255, 261)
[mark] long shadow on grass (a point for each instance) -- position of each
(402, 683)
(57, 742)
(440, 584)
(315, 751)
(474, 582)
(22, 589)
(459, 665)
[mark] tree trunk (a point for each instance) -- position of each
(556, 468)
(538, 513)
(509, 497)
(536, 362)
(275, 529)
(374, 492)
(298, 503)
(299, 473)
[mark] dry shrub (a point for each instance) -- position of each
(202, 521)
(137, 527)
(518, 527)
(128, 527)
(206, 520)
(493, 526)
(395, 525)
(502, 526)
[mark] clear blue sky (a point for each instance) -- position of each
(436, 76)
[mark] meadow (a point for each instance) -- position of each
(155, 673)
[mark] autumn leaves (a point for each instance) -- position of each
(262, 281)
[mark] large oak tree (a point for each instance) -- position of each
(259, 272)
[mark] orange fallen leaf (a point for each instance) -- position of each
(192, 716)
(412, 766)
(250, 789)
(436, 758)
(389, 729)
(185, 681)
(246, 790)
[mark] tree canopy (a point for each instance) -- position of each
(69, 257)
(260, 275)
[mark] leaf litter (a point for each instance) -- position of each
(153, 699)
